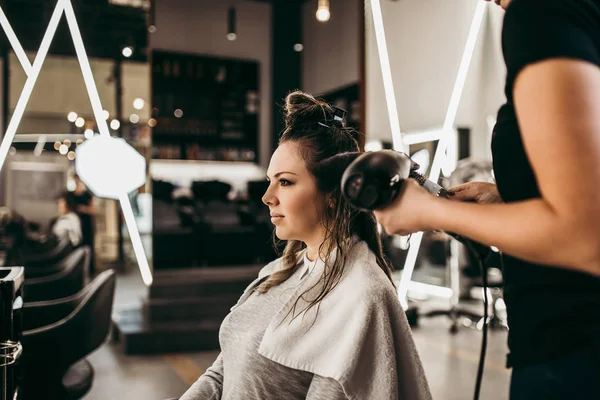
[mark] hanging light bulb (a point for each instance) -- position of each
(127, 51)
(231, 17)
(323, 13)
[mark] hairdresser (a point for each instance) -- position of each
(544, 213)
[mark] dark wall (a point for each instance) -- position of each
(287, 63)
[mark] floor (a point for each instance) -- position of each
(450, 361)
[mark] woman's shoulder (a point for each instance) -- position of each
(365, 278)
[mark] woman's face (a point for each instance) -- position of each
(501, 3)
(294, 202)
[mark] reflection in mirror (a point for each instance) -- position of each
(58, 118)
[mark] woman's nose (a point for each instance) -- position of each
(268, 198)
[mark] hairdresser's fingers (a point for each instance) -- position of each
(461, 187)
(471, 194)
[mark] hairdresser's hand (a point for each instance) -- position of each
(408, 213)
(478, 192)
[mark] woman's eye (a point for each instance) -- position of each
(284, 182)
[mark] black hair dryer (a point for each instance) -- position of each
(374, 179)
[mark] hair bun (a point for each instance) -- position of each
(301, 108)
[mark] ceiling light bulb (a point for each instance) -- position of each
(72, 117)
(79, 122)
(127, 51)
(323, 13)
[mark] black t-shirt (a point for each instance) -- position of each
(551, 311)
(87, 221)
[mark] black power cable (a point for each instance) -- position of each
(482, 267)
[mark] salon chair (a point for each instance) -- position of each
(45, 257)
(71, 277)
(59, 334)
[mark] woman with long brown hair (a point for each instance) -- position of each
(324, 320)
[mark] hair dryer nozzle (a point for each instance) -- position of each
(374, 179)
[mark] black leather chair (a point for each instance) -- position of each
(71, 277)
(32, 256)
(58, 334)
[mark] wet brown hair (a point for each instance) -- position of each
(310, 123)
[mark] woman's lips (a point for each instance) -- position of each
(276, 218)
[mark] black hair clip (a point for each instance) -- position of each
(336, 116)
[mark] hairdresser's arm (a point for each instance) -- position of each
(557, 106)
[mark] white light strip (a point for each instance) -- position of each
(14, 41)
(421, 137)
(49, 137)
(136, 241)
(386, 72)
(409, 267)
(432, 290)
(459, 85)
(30, 82)
(438, 158)
(39, 146)
(102, 124)
(86, 70)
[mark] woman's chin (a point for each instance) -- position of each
(280, 233)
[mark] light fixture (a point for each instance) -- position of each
(298, 47)
(438, 158)
(178, 113)
(152, 28)
(115, 124)
(138, 103)
(323, 13)
(151, 122)
(231, 20)
(105, 114)
(63, 149)
(12, 151)
(67, 143)
(127, 51)
(57, 145)
(78, 142)
(71, 155)
(39, 146)
(72, 117)
(88, 134)
(134, 118)
(79, 122)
